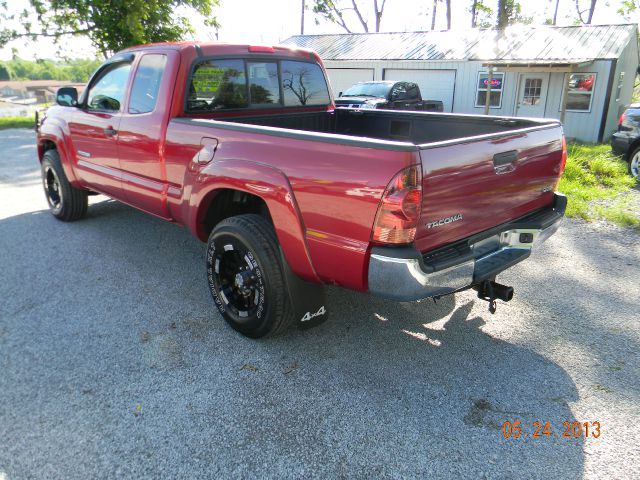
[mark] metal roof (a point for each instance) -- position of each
(517, 43)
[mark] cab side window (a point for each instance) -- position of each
(399, 92)
(107, 93)
(412, 91)
(216, 85)
(146, 84)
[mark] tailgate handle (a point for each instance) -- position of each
(505, 158)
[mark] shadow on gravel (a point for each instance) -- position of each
(115, 364)
(600, 329)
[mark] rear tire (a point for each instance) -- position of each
(66, 202)
(634, 163)
(245, 276)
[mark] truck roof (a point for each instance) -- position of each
(222, 48)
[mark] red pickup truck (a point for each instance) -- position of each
(243, 145)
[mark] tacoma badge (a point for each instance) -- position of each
(444, 221)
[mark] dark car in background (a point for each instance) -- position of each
(626, 141)
(389, 95)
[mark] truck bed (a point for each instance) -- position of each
(417, 128)
(481, 170)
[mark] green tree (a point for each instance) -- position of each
(589, 11)
(434, 13)
(71, 70)
(628, 8)
(554, 20)
(509, 13)
(481, 15)
(111, 25)
(5, 72)
(334, 12)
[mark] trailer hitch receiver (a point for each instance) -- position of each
(492, 291)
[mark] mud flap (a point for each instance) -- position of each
(308, 299)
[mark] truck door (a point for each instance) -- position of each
(142, 132)
(94, 128)
(413, 99)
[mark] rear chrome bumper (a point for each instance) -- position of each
(404, 274)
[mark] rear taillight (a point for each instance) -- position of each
(563, 161)
(399, 210)
(622, 117)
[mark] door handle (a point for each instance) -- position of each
(110, 132)
(504, 162)
(505, 158)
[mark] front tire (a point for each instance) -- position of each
(66, 202)
(245, 276)
(634, 163)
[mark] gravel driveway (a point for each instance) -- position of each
(114, 364)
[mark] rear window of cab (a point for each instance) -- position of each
(225, 84)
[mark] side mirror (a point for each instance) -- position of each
(67, 97)
(340, 93)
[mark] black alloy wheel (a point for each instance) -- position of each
(245, 275)
(52, 189)
(66, 202)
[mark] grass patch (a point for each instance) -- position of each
(17, 122)
(598, 186)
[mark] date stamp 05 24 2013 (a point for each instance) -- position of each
(541, 429)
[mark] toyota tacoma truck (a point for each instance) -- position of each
(390, 95)
(243, 145)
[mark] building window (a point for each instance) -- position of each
(497, 83)
(532, 90)
(619, 87)
(580, 91)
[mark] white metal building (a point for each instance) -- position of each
(581, 74)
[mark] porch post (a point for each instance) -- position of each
(487, 101)
(565, 90)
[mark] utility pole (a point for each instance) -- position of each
(302, 19)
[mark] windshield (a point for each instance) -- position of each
(368, 90)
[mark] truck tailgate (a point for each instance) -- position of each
(475, 185)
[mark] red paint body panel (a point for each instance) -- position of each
(464, 181)
(141, 146)
(337, 215)
(56, 131)
(95, 153)
(322, 188)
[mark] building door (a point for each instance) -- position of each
(532, 94)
